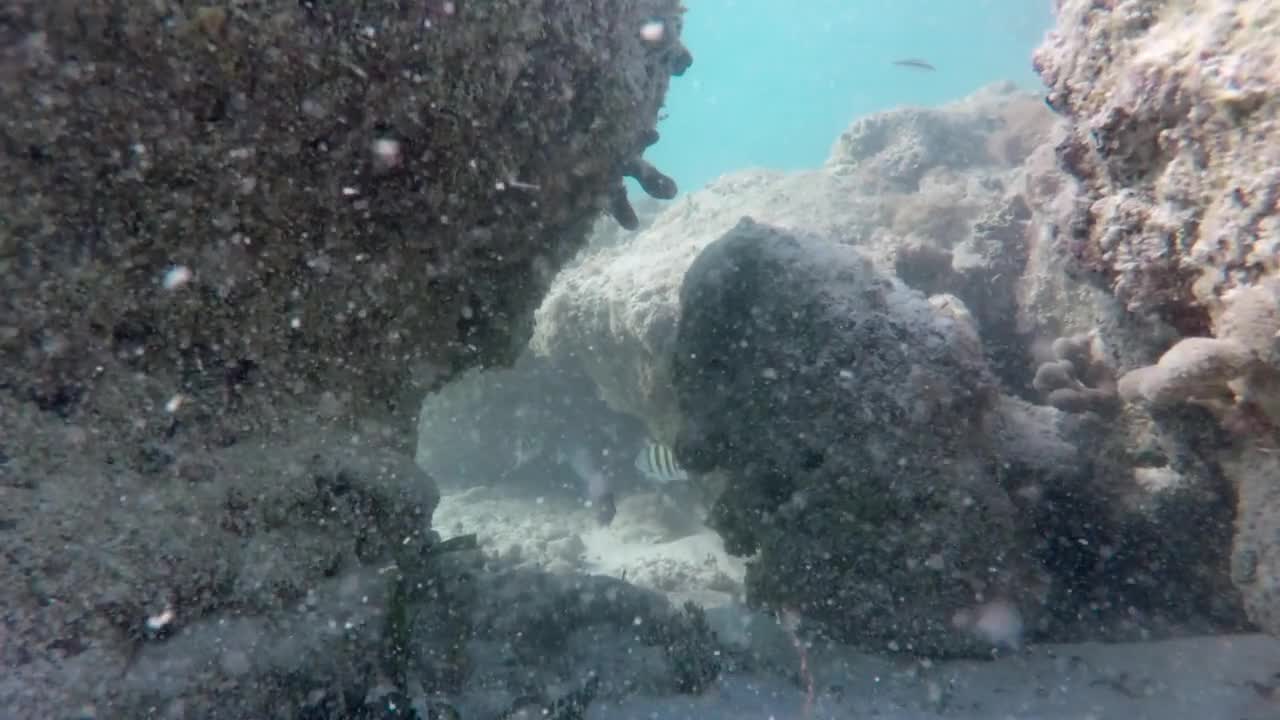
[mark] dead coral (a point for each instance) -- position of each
(923, 265)
(1194, 370)
(1235, 375)
(1076, 379)
(1174, 119)
(942, 215)
(1024, 124)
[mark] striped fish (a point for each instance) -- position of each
(658, 464)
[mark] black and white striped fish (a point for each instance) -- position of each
(658, 464)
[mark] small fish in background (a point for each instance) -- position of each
(915, 64)
(596, 484)
(658, 464)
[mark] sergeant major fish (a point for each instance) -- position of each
(658, 464)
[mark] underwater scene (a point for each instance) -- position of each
(640, 360)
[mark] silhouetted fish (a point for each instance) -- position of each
(915, 63)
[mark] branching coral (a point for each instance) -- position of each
(1076, 379)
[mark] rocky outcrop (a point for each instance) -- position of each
(947, 221)
(235, 210)
(1172, 148)
(1088, 488)
(214, 587)
(227, 227)
(809, 376)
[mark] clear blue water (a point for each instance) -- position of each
(774, 83)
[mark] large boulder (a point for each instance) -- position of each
(238, 209)
(239, 242)
(1172, 143)
(848, 413)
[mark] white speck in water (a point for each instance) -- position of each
(174, 403)
(158, 622)
(295, 323)
(386, 151)
(769, 374)
(653, 31)
(176, 276)
(350, 192)
(997, 622)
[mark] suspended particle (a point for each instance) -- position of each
(653, 31)
(386, 152)
(160, 621)
(176, 276)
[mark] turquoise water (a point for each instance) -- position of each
(773, 86)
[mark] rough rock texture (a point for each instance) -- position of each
(227, 226)
(1130, 518)
(207, 588)
(1174, 116)
(290, 581)
(252, 204)
(811, 376)
(949, 220)
(1172, 145)
(532, 631)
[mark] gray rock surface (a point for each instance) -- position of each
(216, 587)
(239, 243)
(251, 206)
(847, 412)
